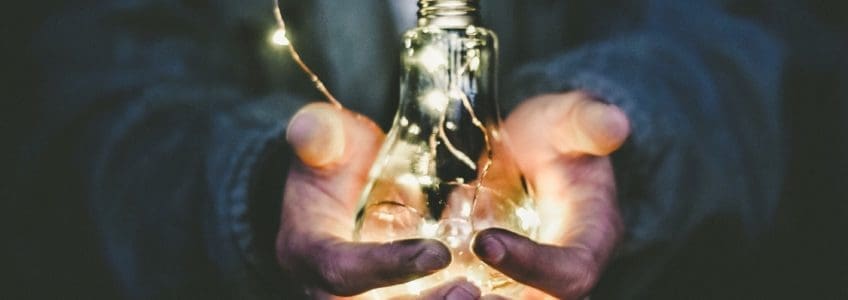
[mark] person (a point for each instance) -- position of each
(184, 141)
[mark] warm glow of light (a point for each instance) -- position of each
(466, 209)
(422, 164)
(429, 229)
(414, 129)
(407, 180)
(279, 38)
(474, 64)
(426, 180)
(473, 60)
(450, 125)
(528, 217)
(453, 241)
(555, 214)
(436, 102)
(456, 93)
(385, 217)
(414, 288)
(432, 59)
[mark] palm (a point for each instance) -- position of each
(560, 142)
(335, 149)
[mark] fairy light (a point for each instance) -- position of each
(426, 180)
(528, 218)
(450, 125)
(407, 180)
(432, 59)
(436, 102)
(414, 129)
(466, 210)
(279, 37)
(429, 229)
(414, 288)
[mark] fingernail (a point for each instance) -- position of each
(316, 134)
(432, 258)
(490, 249)
(463, 291)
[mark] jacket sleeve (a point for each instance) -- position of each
(701, 88)
(181, 159)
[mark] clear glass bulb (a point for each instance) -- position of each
(442, 172)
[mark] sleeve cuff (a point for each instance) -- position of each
(646, 76)
(246, 173)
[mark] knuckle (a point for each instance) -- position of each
(582, 285)
(584, 274)
(576, 277)
(333, 279)
(284, 254)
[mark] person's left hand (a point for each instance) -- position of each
(561, 143)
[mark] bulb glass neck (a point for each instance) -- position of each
(448, 13)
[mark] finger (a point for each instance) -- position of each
(493, 297)
(570, 123)
(566, 273)
(597, 128)
(323, 135)
(347, 269)
(335, 149)
(457, 289)
(316, 134)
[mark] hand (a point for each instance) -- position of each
(457, 289)
(561, 143)
(335, 150)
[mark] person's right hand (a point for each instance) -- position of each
(335, 149)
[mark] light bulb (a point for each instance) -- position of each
(442, 172)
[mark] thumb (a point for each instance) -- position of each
(335, 149)
(572, 123)
(316, 134)
(595, 127)
(563, 272)
(346, 269)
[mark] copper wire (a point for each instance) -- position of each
(319, 85)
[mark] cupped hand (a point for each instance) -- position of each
(561, 143)
(335, 149)
(457, 289)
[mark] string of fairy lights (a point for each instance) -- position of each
(280, 38)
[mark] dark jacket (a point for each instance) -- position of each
(164, 122)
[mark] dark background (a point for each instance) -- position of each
(48, 250)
